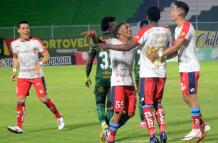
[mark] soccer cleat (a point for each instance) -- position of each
(195, 133)
(154, 139)
(163, 137)
(60, 122)
(204, 130)
(142, 125)
(104, 133)
(15, 129)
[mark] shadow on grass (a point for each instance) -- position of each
(67, 127)
(175, 133)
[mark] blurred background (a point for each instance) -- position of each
(60, 23)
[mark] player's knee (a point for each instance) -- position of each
(43, 99)
(131, 115)
(21, 98)
(118, 114)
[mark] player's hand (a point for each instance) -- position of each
(88, 82)
(101, 46)
(37, 68)
(13, 76)
(90, 33)
(153, 56)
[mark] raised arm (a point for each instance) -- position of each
(125, 47)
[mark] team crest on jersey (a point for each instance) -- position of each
(183, 33)
(136, 37)
(40, 91)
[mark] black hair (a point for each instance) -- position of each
(118, 27)
(22, 22)
(143, 22)
(153, 14)
(105, 22)
(184, 6)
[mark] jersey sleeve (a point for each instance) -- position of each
(140, 37)
(41, 46)
(13, 48)
(185, 32)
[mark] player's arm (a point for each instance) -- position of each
(91, 34)
(15, 67)
(89, 64)
(45, 57)
(169, 51)
(126, 47)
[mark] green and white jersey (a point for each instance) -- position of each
(103, 70)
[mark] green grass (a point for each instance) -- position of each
(66, 88)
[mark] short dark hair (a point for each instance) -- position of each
(153, 14)
(22, 22)
(184, 6)
(143, 22)
(105, 22)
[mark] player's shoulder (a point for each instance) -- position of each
(15, 41)
(36, 39)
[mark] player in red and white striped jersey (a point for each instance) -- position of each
(189, 68)
(26, 51)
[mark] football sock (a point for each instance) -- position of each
(149, 119)
(20, 113)
(52, 107)
(141, 113)
(101, 112)
(110, 113)
(160, 116)
(112, 130)
(196, 117)
(124, 118)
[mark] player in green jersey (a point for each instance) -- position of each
(103, 74)
(142, 124)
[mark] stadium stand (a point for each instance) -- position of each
(64, 12)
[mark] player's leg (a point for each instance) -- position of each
(40, 87)
(189, 87)
(22, 87)
(140, 103)
(100, 98)
(147, 86)
(118, 105)
(110, 110)
(159, 110)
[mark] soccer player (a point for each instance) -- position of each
(152, 74)
(189, 68)
(26, 51)
(123, 90)
(142, 124)
(103, 74)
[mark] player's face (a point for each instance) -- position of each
(24, 30)
(125, 31)
(112, 26)
(175, 13)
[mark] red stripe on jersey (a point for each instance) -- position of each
(140, 33)
(185, 30)
(40, 41)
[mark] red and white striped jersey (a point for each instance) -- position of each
(188, 61)
(151, 39)
(28, 56)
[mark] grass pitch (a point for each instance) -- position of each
(65, 86)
